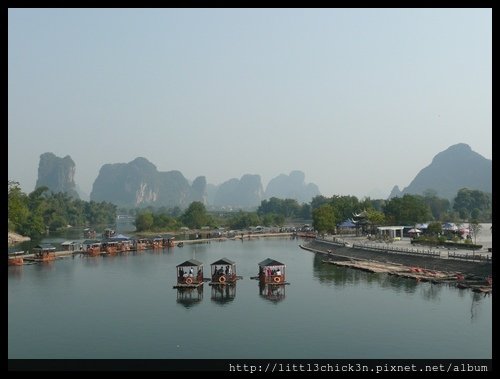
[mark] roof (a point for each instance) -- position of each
(347, 224)
(66, 243)
(45, 246)
(110, 240)
(224, 261)
(270, 262)
(117, 238)
(363, 214)
(90, 242)
(390, 227)
(191, 262)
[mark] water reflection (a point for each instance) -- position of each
(189, 297)
(223, 294)
(342, 277)
(477, 300)
(91, 261)
(15, 272)
(272, 292)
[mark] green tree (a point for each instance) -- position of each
(305, 211)
(344, 206)
(144, 221)
(272, 219)
(407, 210)
(324, 219)
(34, 226)
(195, 216)
(318, 201)
(375, 218)
(18, 211)
(467, 200)
(243, 220)
(288, 208)
(439, 207)
(434, 228)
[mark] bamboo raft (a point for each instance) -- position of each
(418, 274)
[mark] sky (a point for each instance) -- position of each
(359, 100)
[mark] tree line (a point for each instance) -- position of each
(469, 205)
(41, 210)
(326, 213)
(32, 214)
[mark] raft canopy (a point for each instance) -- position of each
(190, 263)
(90, 242)
(44, 247)
(270, 262)
(223, 261)
(69, 243)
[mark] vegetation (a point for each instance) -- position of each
(40, 210)
(434, 229)
(287, 208)
(407, 210)
(196, 216)
(324, 219)
(33, 214)
(473, 204)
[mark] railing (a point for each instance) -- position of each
(396, 250)
(471, 257)
(411, 251)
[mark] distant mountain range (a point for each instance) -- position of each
(452, 169)
(139, 183)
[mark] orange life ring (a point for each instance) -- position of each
(277, 279)
(222, 279)
(189, 280)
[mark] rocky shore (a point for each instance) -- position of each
(16, 238)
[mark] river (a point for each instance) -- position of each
(125, 307)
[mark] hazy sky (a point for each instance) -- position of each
(357, 99)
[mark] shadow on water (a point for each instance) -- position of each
(189, 297)
(223, 294)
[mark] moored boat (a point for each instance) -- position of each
(223, 272)
(189, 274)
(16, 261)
(272, 272)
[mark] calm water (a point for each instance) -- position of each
(125, 307)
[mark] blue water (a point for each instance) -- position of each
(125, 307)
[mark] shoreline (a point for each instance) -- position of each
(15, 238)
(339, 253)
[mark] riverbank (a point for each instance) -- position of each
(337, 252)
